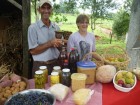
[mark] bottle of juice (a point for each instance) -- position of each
(72, 61)
(63, 56)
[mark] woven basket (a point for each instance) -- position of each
(96, 58)
(120, 59)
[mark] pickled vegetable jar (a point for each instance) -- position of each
(39, 80)
(66, 77)
(45, 72)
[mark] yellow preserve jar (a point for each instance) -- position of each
(45, 72)
(39, 81)
(58, 69)
(54, 78)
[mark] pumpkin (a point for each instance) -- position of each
(105, 73)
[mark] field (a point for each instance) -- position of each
(102, 30)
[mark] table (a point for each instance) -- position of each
(111, 96)
(105, 94)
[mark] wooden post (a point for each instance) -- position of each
(25, 24)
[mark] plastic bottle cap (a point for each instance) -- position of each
(72, 48)
(56, 67)
(39, 72)
(66, 70)
(43, 67)
(54, 73)
(66, 60)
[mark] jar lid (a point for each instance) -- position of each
(43, 67)
(86, 64)
(79, 76)
(39, 72)
(54, 73)
(56, 67)
(66, 70)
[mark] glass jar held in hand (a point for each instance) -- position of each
(56, 42)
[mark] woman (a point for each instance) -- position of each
(82, 39)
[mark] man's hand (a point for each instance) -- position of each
(56, 42)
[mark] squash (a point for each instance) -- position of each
(105, 73)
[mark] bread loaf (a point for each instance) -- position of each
(82, 96)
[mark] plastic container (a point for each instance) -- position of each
(123, 89)
(88, 68)
(78, 81)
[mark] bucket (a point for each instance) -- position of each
(78, 81)
(88, 68)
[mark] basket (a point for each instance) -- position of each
(120, 59)
(96, 58)
(27, 87)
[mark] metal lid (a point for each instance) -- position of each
(86, 64)
(54, 73)
(39, 72)
(43, 67)
(56, 67)
(66, 70)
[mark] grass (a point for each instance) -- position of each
(103, 42)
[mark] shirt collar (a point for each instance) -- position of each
(41, 24)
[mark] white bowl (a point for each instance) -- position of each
(123, 89)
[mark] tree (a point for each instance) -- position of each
(134, 33)
(121, 23)
(99, 9)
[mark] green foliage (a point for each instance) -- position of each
(121, 23)
(99, 9)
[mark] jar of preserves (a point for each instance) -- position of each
(45, 72)
(57, 69)
(66, 77)
(39, 80)
(54, 78)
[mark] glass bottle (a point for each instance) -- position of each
(45, 72)
(72, 61)
(66, 77)
(65, 64)
(39, 80)
(63, 56)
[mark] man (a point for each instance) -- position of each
(41, 39)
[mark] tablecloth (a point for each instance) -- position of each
(96, 98)
(105, 94)
(111, 96)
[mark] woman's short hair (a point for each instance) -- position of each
(81, 18)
